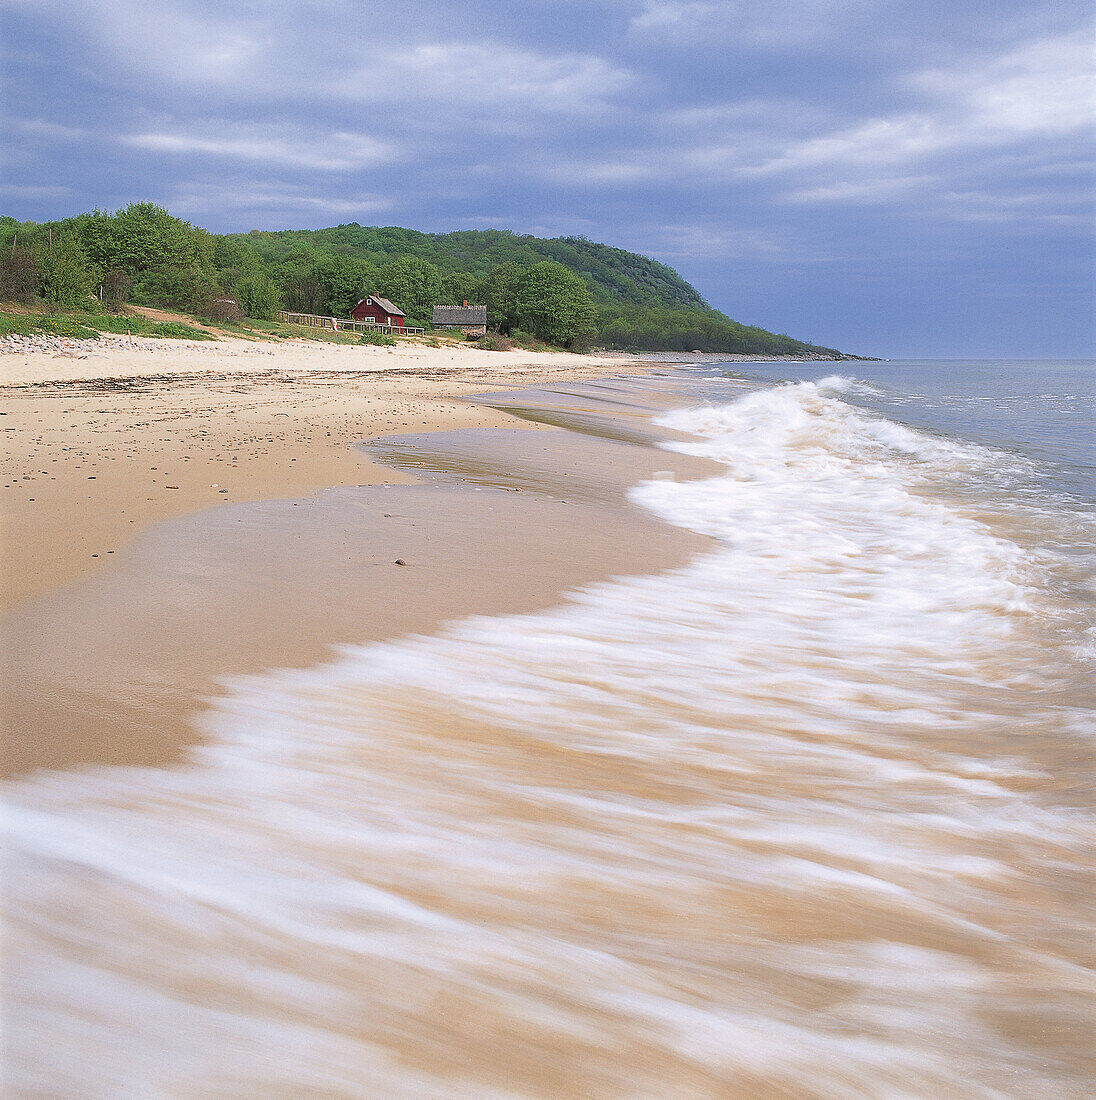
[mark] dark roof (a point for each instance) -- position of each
(384, 304)
(460, 315)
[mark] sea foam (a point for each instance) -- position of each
(780, 822)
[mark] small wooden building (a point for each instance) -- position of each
(380, 310)
(471, 320)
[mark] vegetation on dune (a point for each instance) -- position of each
(31, 324)
(565, 292)
(85, 325)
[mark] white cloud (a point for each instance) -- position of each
(169, 40)
(52, 131)
(259, 204)
(982, 125)
(593, 172)
(334, 152)
(868, 190)
(322, 53)
(33, 193)
(1045, 87)
(777, 23)
(458, 76)
(705, 241)
(1040, 92)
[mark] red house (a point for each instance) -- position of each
(380, 310)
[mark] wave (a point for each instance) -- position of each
(793, 819)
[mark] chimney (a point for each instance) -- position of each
(465, 303)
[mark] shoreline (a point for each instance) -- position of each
(95, 455)
(491, 514)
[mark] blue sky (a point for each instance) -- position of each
(896, 179)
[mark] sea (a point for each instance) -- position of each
(810, 816)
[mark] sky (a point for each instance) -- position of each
(892, 179)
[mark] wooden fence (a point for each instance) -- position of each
(312, 320)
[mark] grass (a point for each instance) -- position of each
(85, 325)
(248, 326)
(33, 324)
(88, 326)
(142, 326)
(307, 332)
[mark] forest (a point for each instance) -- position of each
(566, 291)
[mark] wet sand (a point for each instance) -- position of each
(94, 450)
(175, 533)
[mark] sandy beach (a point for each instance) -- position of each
(472, 742)
(105, 438)
(170, 519)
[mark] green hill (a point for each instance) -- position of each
(612, 274)
(566, 290)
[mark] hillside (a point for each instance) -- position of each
(612, 274)
(565, 290)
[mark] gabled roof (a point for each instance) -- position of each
(384, 304)
(460, 315)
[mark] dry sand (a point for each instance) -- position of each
(169, 519)
(92, 449)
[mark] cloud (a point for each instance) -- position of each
(1038, 92)
(479, 84)
(316, 53)
(36, 129)
(983, 125)
(710, 240)
(1044, 87)
(334, 152)
(865, 191)
(249, 203)
(778, 24)
(593, 172)
(33, 193)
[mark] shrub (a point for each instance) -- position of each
(379, 339)
(177, 331)
(223, 308)
(24, 324)
(64, 277)
(258, 297)
(494, 342)
(124, 325)
(117, 287)
(188, 288)
(19, 277)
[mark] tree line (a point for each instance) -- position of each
(568, 292)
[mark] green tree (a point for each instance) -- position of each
(499, 293)
(554, 304)
(458, 287)
(232, 259)
(64, 274)
(412, 284)
(345, 281)
(258, 297)
(143, 236)
(186, 287)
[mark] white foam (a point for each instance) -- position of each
(765, 818)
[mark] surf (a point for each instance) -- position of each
(757, 825)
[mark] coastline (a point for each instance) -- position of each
(99, 448)
(134, 590)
